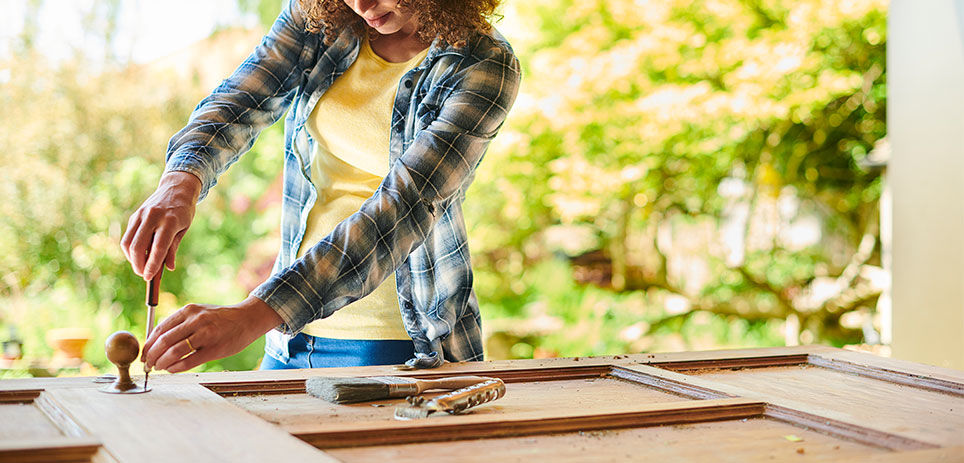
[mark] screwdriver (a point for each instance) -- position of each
(153, 288)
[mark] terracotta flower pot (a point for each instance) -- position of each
(68, 345)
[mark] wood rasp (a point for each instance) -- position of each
(453, 402)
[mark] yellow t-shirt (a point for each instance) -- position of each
(351, 125)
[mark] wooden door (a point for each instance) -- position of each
(804, 404)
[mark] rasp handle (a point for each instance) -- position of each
(465, 398)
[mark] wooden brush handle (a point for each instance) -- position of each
(452, 383)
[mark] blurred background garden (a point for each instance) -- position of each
(675, 175)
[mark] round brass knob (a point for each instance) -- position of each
(122, 349)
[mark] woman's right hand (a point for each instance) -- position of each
(155, 230)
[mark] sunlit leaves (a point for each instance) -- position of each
(633, 111)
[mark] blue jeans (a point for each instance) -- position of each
(314, 352)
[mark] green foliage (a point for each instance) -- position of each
(631, 123)
(601, 221)
(265, 10)
(87, 149)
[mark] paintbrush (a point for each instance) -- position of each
(342, 390)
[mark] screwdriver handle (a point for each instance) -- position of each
(153, 288)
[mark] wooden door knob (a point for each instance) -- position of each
(122, 349)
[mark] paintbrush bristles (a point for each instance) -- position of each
(351, 390)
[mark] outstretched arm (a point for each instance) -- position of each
(222, 127)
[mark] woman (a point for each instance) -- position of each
(391, 105)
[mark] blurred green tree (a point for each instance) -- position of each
(83, 145)
(700, 155)
(675, 175)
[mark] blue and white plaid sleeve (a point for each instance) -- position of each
(368, 246)
(225, 124)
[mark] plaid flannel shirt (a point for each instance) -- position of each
(446, 111)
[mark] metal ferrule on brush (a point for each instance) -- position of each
(398, 386)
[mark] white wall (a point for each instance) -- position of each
(925, 112)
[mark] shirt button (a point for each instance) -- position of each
(408, 84)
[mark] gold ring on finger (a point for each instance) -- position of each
(189, 346)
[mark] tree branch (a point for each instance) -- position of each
(765, 286)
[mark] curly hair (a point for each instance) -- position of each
(452, 21)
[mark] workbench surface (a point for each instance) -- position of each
(808, 403)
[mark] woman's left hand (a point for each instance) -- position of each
(199, 333)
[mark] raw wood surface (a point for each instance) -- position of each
(68, 426)
(477, 425)
(449, 369)
(905, 410)
(20, 421)
(178, 423)
(733, 440)
(791, 412)
(940, 455)
(806, 413)
(24, 396)
(920, 369)
(890, 375)
(61, 450)
(33, 429)
(299, 410)
(845, 406)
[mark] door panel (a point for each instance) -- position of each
(540, 401)
(177, 423)
(21, 421)
(526, 391)
(34, 429)
(920, 408)
(731, 440)
(806, 404)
